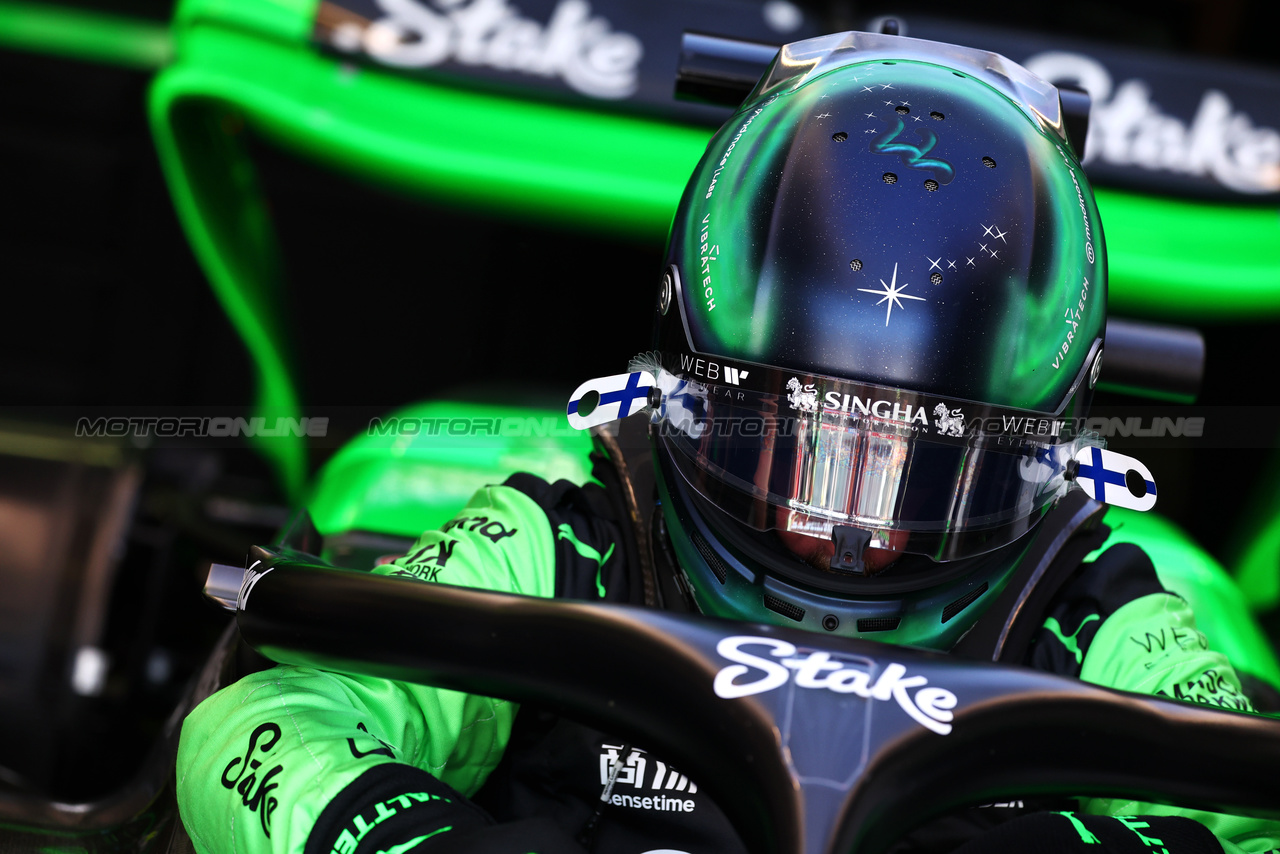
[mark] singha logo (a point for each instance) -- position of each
(805, 399)
(948, 423)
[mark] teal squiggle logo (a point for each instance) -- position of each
(912, 154)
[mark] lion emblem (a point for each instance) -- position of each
(948, 423)
(803, 398)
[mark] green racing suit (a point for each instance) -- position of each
(293, 760)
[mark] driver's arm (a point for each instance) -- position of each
(1151, 645)
(296, 760)
(1116, 626)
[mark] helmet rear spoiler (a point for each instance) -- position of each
(723, 70)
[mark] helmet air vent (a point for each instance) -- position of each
(839, 136)
(963, 602)
(867, 625)
(932, 186)
(889, 178)
(855, 265)
(988, 162)
(786, 609)
(709, 555)
(902, 109)
(936, 116)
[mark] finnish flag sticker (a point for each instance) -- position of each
(1115, 479)
(606, 399)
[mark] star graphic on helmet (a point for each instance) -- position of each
(891, 294)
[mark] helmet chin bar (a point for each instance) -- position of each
(740, 573)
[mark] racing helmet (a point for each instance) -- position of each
(881, 318)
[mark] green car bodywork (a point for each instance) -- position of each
(225, 64)
(246, 61)
(250, 61)
(413, 469)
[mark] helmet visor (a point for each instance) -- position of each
(948, 479)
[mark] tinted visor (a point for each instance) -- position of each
(923, 474)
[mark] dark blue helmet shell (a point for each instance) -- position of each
(895, 221)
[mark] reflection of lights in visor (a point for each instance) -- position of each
(808, 463)
(847, 474)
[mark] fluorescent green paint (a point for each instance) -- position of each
(403, 483)
(243, 63)
(236, 61)
(1192, 260)
(610, 172)
(82, 34)
(1258, 571)
(248, 62)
